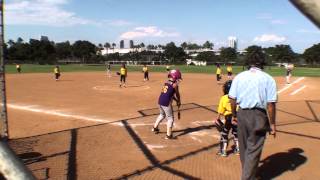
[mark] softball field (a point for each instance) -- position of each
(86, 127)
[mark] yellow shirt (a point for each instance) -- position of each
(218, 71)
(145, 69)
(56, 70)
(229, 69)
(123, 71)
(224, 106)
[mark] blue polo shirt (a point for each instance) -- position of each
(253, 89)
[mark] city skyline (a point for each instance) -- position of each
(264, 23)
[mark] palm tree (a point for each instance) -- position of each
(107, 46)
(113, 46)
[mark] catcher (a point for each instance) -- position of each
(224, 109)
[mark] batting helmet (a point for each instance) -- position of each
(175, 74)
(227, 86)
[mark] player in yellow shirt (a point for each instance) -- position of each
(229, 71)
(168, 68)
(18, 67)
(145, 71)
(123, 75)
(224, 110)
(219, 72)
(57, 74)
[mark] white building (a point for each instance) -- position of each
(233, 42)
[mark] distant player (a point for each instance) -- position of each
(57, 74)
(289, 68)
(145, 71)
(229, 71)
(168, 68)
(224, 110)
(108, 70)
(219, 72)
(123, 75)
(18, 67)
(170, 92)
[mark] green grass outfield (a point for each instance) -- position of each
(274, 71)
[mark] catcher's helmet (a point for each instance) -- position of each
(175, 74)
(227, 86)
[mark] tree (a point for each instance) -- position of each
(107, 46)
(208, 45)
(184, 45)
(282, 53)
(173, 53)
(142, 45)
(193, 46)
(63, 50)
(312, 54)
(228, 54)
(84, 50)
(42, 52)
(254, 51)
(208, 56)
(18, 51)
(150, 46)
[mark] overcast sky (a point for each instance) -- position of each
(260, 22)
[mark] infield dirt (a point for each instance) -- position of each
(86, 127)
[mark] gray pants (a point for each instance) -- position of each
(252, 127)
(165, 112)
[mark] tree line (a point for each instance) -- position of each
(48, 52)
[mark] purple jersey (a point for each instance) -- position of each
(167, 94)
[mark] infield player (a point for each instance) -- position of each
(229, 71)
(145, 71)
(219, 72)
(57, 73)
(109, 70)
(168, 68)
(224, 110)
(170, 92)
(289, 68)
(123, 75)
(18, 67)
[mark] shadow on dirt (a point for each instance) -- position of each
(276, 164)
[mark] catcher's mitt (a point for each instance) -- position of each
(118, 73)
(219, 125)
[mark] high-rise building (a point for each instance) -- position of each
(131, 44)
(44, 38)
(121, 44)
(233, 42)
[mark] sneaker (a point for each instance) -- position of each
(222, 153)
(236, 151)
(155, 130)
(168, 137)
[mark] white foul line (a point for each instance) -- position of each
(289, 85)
(298, 90)
(55, 113)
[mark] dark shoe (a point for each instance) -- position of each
(155, 130)
(236, 151)
(168, 137)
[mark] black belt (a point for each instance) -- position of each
(255, 108)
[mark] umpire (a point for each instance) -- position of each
(256, 94)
